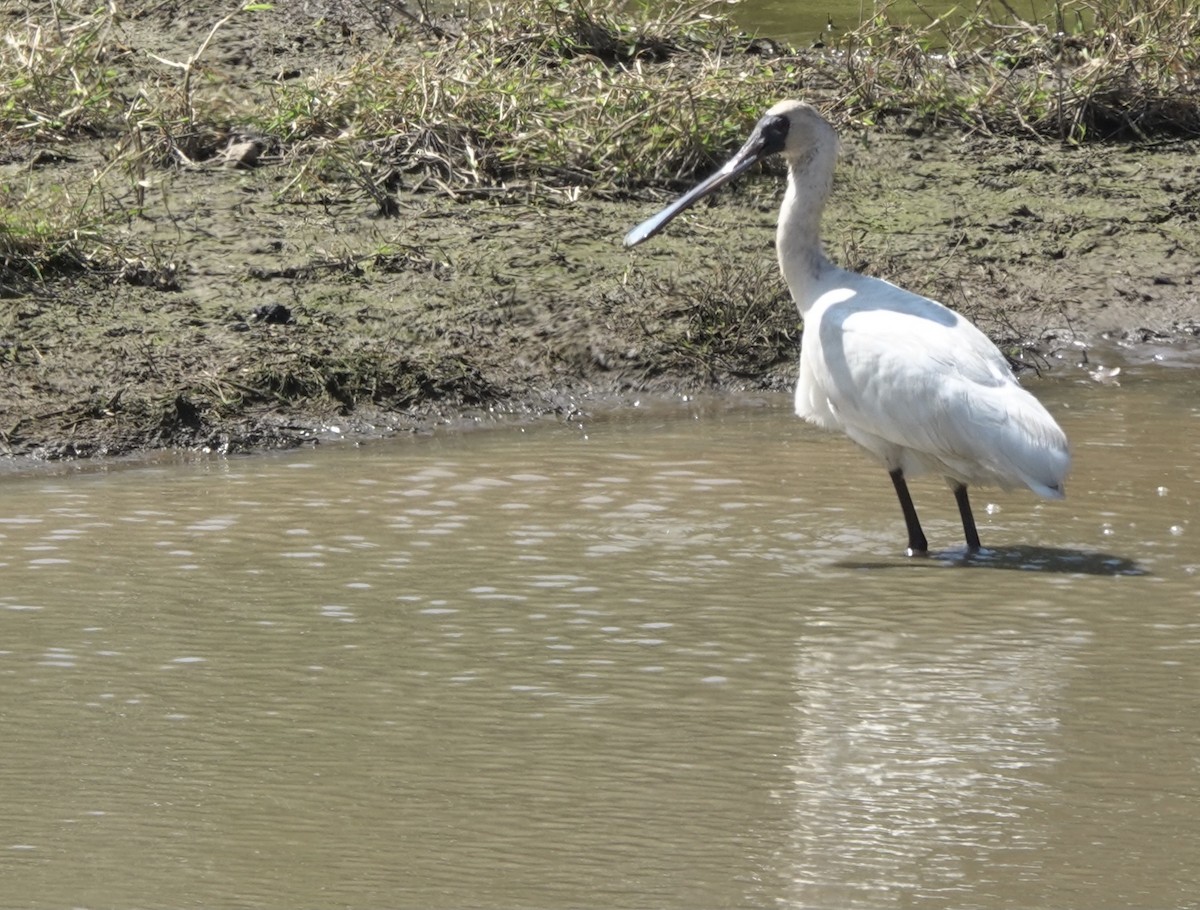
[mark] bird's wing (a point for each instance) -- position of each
(915, 374)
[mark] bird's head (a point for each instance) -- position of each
(791, 128)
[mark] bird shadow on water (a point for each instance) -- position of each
(1018, 559)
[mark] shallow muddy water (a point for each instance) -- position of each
(800, 24)
(666, 660)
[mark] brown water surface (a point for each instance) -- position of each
(802, 23)
(664, 660)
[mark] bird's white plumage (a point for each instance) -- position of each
(915, 384)
(922, 389)
(911, 381)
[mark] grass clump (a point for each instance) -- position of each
(59, 78)
(55, 238)
(738, 320)
(537, 95)
(1094, 69)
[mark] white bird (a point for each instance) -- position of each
(912, 382)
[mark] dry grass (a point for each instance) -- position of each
(538, 96)
(1097, 69)
(551, 96)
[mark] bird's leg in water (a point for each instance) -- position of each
(916, 537)
(880, 363)
(964, 509)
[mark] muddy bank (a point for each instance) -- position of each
(264, 324)
(252, 321)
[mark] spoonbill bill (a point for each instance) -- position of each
(910, 381)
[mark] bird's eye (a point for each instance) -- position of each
(774, 132)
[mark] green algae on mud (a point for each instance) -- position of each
(517, 300)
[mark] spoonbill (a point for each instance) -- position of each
(916, 385)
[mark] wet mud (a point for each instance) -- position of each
(260, 322)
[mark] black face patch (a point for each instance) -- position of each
(774, 131)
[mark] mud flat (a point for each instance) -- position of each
(253, 317)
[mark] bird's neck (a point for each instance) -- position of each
(798, 237)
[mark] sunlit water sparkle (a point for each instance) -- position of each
(664, 661)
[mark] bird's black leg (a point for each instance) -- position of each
(968, 520)
(916, 537)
